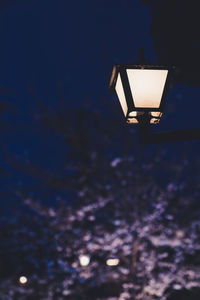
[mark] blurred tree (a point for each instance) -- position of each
(136, 205)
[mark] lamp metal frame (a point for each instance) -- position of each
(122, 70)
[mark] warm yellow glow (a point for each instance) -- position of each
(156, 114)
(120, 93)
(154, 121)
(147, 87)
(133, 114)
(22, 279)
(132, 120)
(112, 262)
(84, 260)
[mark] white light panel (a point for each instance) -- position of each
(120, 93)
(146, 87)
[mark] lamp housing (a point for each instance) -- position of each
(141, 90)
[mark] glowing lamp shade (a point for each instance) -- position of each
(147, 87)
(120, 93)
(140, 89)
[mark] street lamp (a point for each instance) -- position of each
(142, 89)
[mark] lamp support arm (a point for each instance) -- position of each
(146, 137)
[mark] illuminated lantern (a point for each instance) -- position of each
(141, 90)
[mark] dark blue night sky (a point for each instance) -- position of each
(74, 45)
(43, 42)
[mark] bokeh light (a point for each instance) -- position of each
(84, 260)
(23, 280)
(112, 262)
